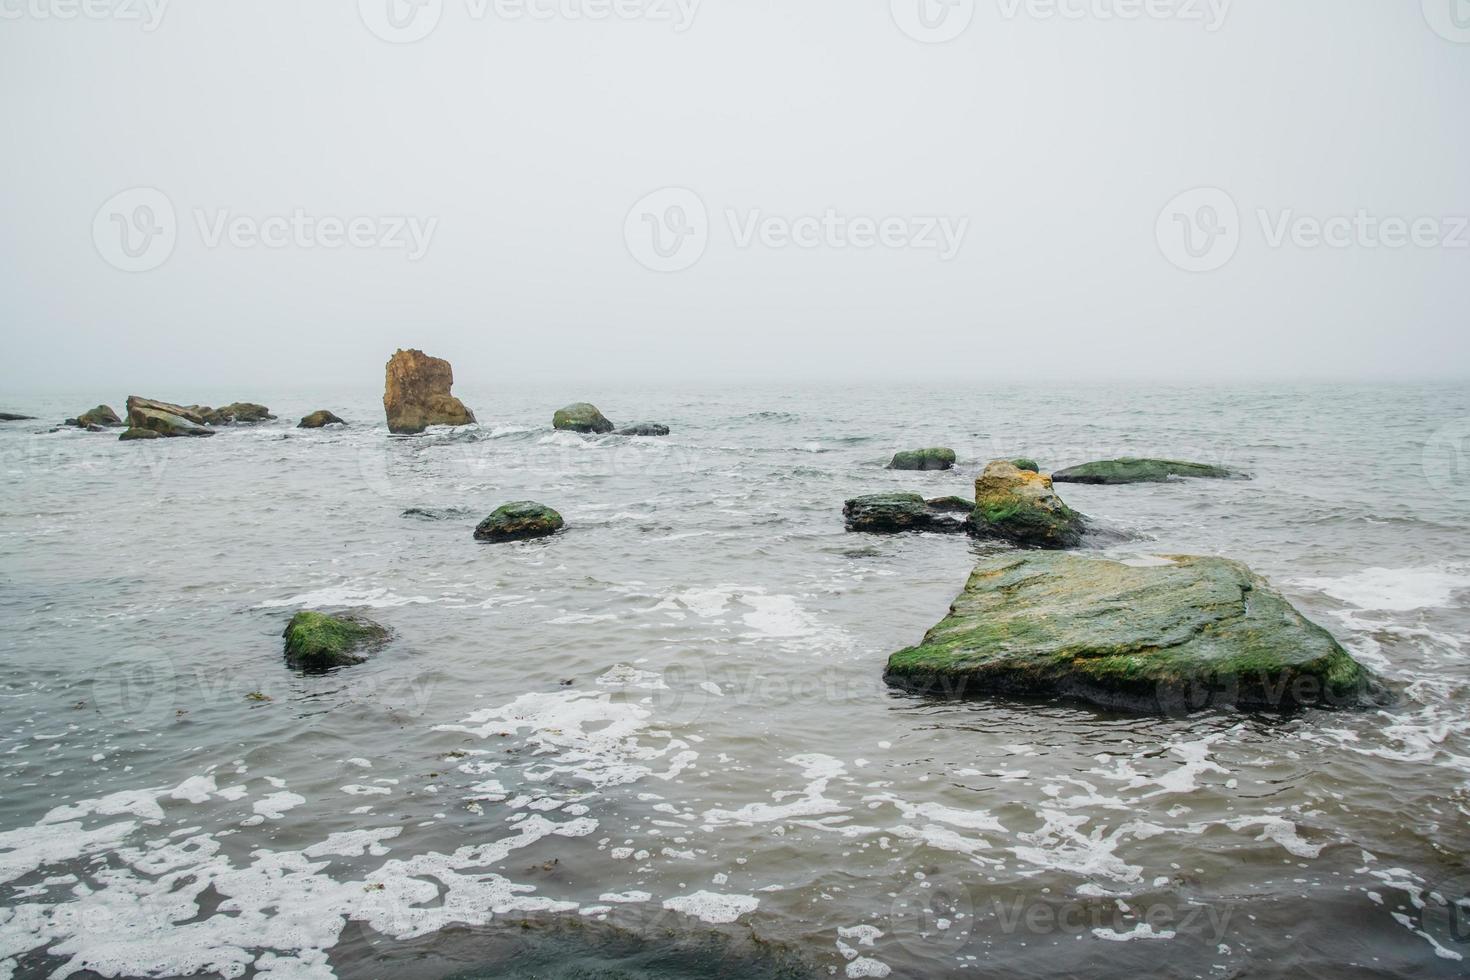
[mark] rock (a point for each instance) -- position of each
(235, 413)
(1130, 470)
(96, 419)
(893, 513)
(1026, 464)
(956, 504)
(644, 429)
(435, 513)
(416, 394)
(12, 417)
(135, 433)
(923, 459)
(164, 418)
(519, 521)
(318, 419)
(1020, 506)
(1194, 633)
(581, 417)
(316, 641)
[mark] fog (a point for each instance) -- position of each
(266, 193)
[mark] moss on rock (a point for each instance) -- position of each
(1190, 634)
(316, 641)
(581, 417)
(1026, 464)
(924, 459)
(1131, 470)
(519, 521)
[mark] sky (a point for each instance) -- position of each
(274, 193)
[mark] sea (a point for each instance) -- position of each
(658, 744)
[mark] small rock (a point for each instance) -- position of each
(924, 459)
(135, 433)
(894, 513)
(519, 521)
(956, 504)
(644, 429)
(318, 419)
(1026, 464)
(236, 413)
(95, 419)
(12, 417)
(581, 417)
(316, 641)
(1020, 506)
(1131, 470)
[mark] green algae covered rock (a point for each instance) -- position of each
(519, 521)
(1183, 635)
(1026, 464)
(319, 419)
(581, 417)
(894, 513)
(316, 641)
(1020, 506)
(1131, 470)
(134, 432)
(923, 459)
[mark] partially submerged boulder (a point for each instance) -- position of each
(416, 394)
(581, 417)
(894, 513)
(1131, 470)
(318, 419)
(519, 521)
(100, 417)
(952, 504)
(924, 459)
(131, 433)
(316, 641)
(12, 417)
(165, 418)
(1187, 634)
(644, 429)
(235, 413)
(1019, 506)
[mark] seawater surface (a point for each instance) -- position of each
(660, 739)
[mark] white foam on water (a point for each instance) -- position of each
(346, 596)
(1394, 589)
(1141, 931)
(819, 769)
(713, 908)
(866, 966)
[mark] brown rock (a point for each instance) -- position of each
(417, 396)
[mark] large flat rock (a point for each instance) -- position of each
(1183, 635)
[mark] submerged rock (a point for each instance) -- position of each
(924, 459)
(1131, 470)
(894, 513)
(581, 417)
(519, 521)
(416, 394)
(1191, 634)
(316, 641)
(1026, 464)
(132, 433)
(955, 504)
(100, 417)
(165, 418)
(644, 429)
(318, 419)
(12, 417)
(236, 413)
(435, 513)
(1020, 506)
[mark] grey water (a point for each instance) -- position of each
(659, 743)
